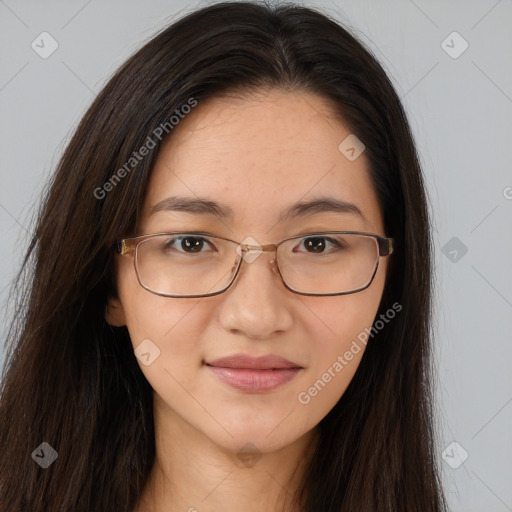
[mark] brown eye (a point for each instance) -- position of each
(187, 244)
(318, 244)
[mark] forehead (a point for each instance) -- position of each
(259, 155)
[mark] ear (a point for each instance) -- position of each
(114, 313)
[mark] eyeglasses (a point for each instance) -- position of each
(198, 264)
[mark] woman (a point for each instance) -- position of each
(226, 302)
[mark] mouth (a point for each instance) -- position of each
(254, 374)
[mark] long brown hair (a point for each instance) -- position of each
(72, 381)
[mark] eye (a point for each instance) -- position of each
(318, 244)
(188, 244)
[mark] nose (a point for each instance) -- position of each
(257, 303)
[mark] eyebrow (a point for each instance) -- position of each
(200, 206)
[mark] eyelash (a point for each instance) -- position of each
(192, 235)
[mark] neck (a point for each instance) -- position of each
(193, 474)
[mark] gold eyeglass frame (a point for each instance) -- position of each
(129, 245)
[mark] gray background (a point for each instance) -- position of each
(461, 113)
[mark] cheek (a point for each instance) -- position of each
(338, 329)
(335, 357)
(167, 328)
(332, 322)
(165, 334)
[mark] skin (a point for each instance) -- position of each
(258, 155)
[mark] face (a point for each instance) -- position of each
(258, 156)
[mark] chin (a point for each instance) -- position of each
(262, 436)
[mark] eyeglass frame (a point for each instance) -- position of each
(386, 247)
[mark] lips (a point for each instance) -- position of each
(254, 374)
(241, 361)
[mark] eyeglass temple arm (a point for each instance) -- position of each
(386, 246)
(124, 247)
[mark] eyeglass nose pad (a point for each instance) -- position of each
(272, 262)
(274, 267)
